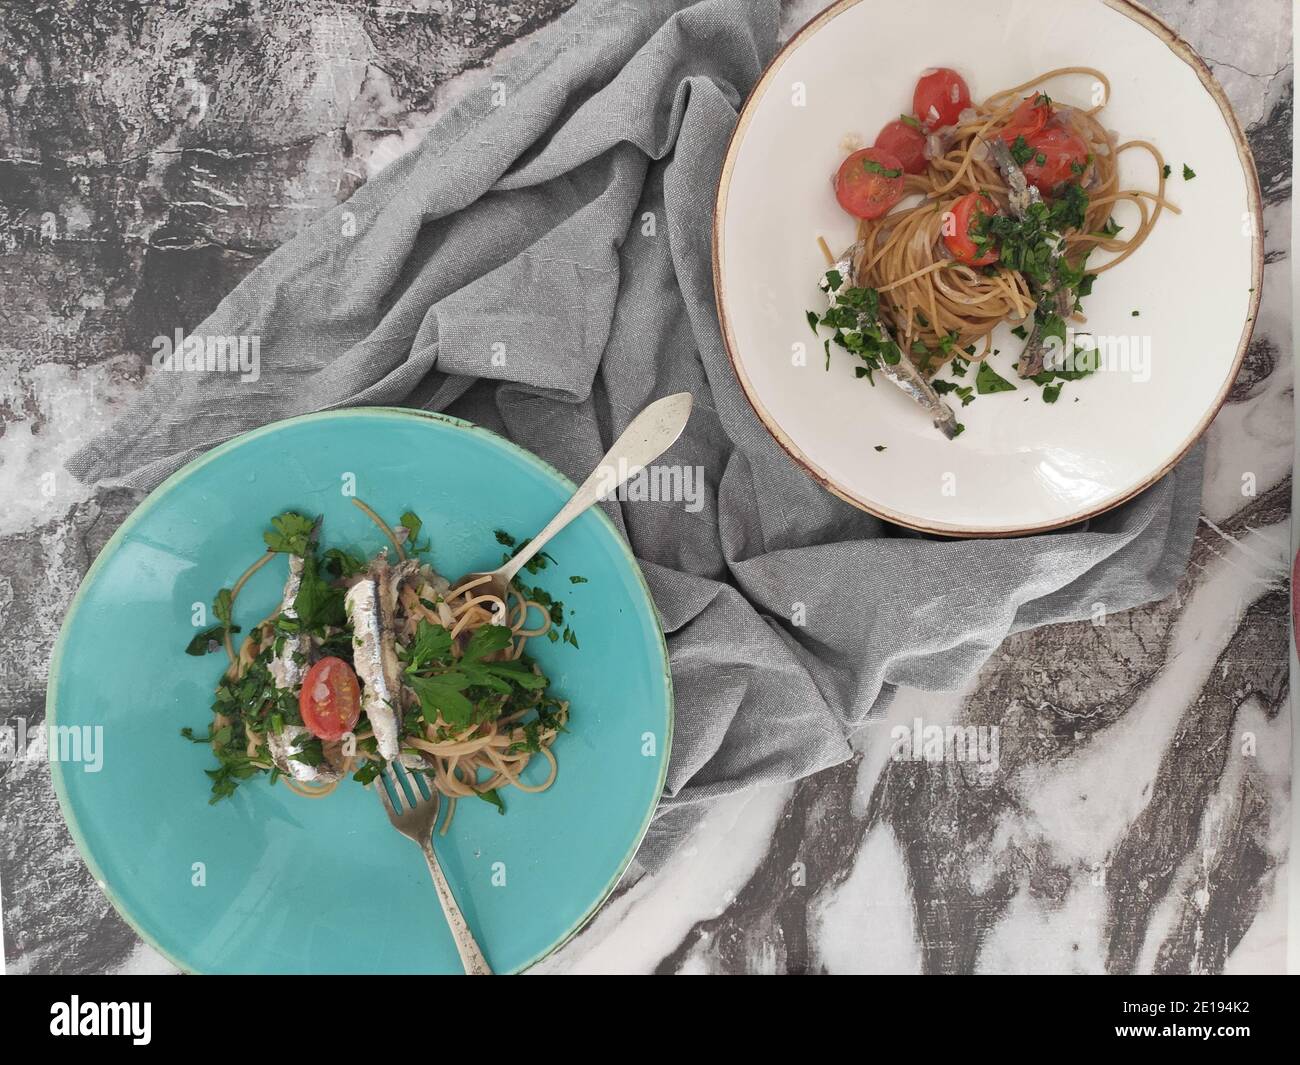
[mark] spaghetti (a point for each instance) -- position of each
(472, 708)
(940, 263)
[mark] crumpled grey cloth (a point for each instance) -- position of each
(541, 265)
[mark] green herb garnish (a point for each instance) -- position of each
(289, 532)
(988, 380)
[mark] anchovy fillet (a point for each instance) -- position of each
(288, 668)
(1020, 193)
(289, 665)
(284, 744)
(370, 605)
(1022, 196)
(904, 372)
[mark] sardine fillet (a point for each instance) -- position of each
(369, 605)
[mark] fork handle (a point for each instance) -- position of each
(470, 955)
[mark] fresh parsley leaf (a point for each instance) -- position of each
(486, 640)
(339, 563)
(493, 798)
(411, 522)
(290, 532)
(208, 640)
(441, 695)
(988, 380)
(432, 643)
(319, 604)
(221, 606)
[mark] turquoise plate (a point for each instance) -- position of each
(271, 882)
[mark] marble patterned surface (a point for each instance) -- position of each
(1140, 817)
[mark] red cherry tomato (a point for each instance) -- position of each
(330, 699)
(904, 142)
(1060, 155)
(869, 183)
(941, 95)
(1028, 118)
(957, 232)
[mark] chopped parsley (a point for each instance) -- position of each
(493, 799)
(988, 381)
(534, 565)
(873, 167)
(963, 392)
(1029, 244)
(1085, 362)
(469, 690)
(856, 327)
(411, 522)
(211, 639)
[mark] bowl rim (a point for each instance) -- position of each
(1184, 51)
(191, 467)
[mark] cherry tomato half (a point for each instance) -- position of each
(1060, 155)
(904, 142)
(1028, 118)
(941, 95)
(869, 183)
(330, 699)
(957, 231)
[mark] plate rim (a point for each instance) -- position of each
(1182, 50)
(191, 467)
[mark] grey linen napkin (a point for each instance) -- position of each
(541, 266)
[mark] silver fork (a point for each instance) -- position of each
(415, 821)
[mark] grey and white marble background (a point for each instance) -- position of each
(176, 145)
